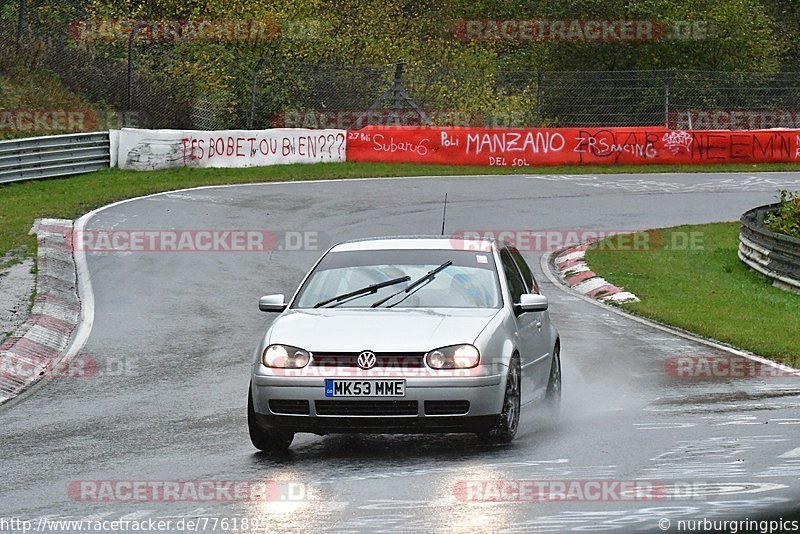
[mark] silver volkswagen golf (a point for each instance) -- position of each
(406, 335)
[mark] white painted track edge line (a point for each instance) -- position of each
(85, 292)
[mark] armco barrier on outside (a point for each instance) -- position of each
(774, 255)
(512, 147)
(54, 155)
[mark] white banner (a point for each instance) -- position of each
(147, 150)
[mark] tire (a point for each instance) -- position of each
(552, 397)
(264, 439)
(505, 428)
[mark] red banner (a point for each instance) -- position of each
(512, 147)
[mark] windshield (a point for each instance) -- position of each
(470, 281)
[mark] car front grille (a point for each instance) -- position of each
(396, 360)
(289, 407)
(342, 407)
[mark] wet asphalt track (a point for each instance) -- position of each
(185, 325)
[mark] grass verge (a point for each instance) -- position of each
(705, 289)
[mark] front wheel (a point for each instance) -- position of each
(264, 439)
(507, 423)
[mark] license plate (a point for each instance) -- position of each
(364, 388)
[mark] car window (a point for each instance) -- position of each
(527, 274)
(470, 281)
(515, 284)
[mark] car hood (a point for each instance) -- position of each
(384, 330)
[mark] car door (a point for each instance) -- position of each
(527, 328)
(539, 342)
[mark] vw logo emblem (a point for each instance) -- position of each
(367, 359)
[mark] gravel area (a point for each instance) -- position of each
(16, 286)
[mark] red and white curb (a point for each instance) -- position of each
(39, 344)
(573, 270)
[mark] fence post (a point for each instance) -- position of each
(131, 38)
(397, 85)
(252, 110)
(21, 21)
(539, 93)
(398, 94)
(667, 83)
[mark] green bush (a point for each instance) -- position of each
(786, 220)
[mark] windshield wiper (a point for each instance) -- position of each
(363, 291)
(419, 281)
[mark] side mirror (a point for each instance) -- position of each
(532, 302)
(272, 303)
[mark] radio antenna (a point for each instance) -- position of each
(444, 212)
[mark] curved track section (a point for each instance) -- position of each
(173, 334)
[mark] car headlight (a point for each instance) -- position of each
(285, 357)
(453, 357)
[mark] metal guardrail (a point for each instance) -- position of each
(55, 155)
(774, 255)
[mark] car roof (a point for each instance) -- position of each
(416, 243)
